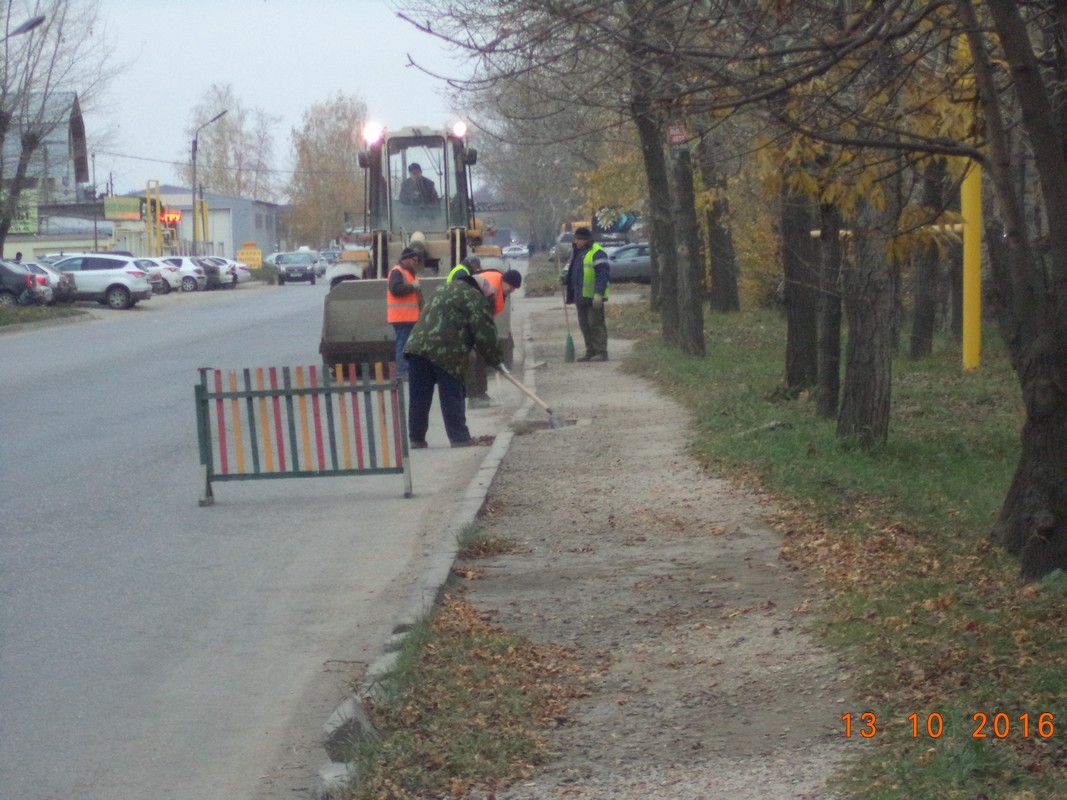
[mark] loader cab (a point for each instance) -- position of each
(417, 180)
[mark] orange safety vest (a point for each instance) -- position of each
(495, 278)
(402, 307)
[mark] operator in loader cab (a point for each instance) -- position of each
(417, 190)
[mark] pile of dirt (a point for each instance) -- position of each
(668, 584)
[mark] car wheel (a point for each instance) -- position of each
(312, 280)
(118, 297)
(7, 299)
(281, 281)
(188, 284)
(165, 288)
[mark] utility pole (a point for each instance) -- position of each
(196, 207)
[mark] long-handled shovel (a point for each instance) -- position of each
(553, 420)
(568, 351)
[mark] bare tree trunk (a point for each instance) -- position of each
(799, 262)
(828, 382)
(868, 302)
(9, 210)
(659, 212)
(689, 299)
(1032, 293)
(722, 294)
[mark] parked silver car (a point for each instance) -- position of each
(62, 284)
(632, 262)
(113, 280)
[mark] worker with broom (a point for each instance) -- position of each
(496, 285)
(456, 320)
(587, 282)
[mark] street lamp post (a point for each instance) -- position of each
(196, 139)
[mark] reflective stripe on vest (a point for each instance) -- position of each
(402, 307)
(455, 271)
(589, 274)
(495, 278)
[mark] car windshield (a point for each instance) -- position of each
(296, 258)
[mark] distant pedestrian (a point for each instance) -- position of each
(18, 257)
(403, 303)
(587, 280)
(456, 320)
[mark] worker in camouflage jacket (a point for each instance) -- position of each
(456, 320)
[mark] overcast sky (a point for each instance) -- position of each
(278, 55)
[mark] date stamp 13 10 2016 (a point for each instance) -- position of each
(982, 725)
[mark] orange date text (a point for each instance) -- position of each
(981, 725)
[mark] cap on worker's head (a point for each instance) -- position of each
(513, 277)
(414, 166)
(583, 233)
(473, 262)
(408, 253)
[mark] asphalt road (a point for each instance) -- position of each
(153, 648)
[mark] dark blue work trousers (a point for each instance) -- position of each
(423, 375)
(402, 331)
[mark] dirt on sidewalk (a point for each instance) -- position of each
(668, 584)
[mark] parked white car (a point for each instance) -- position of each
(193, 276)
(225, 273)
(113, 280)
(516, 251)
(238, 268)
(165, 276)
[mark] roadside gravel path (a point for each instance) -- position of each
(668, 583)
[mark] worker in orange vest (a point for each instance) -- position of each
(496, 286)
(403, 303)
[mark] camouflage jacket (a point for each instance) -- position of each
(456, 320)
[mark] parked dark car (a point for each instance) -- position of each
(19, 286)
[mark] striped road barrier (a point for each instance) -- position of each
(300, 422)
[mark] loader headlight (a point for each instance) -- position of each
(372, 133)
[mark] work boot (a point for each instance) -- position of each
(598, 357)
(586, 357)
(479, 401)
(475, 441)
(418, 444)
